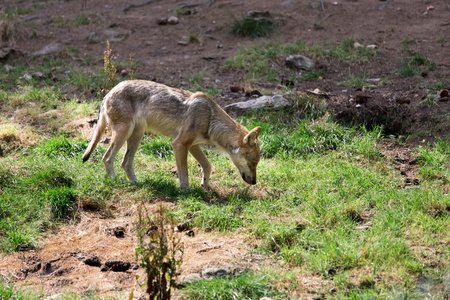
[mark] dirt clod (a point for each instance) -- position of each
(118, 265)
(93, 261)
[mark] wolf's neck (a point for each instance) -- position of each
(225, 133)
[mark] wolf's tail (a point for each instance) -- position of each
(98, 133)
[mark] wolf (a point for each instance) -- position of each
(134, 107)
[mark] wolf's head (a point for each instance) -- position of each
(246, 157)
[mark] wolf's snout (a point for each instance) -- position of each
(248, 179)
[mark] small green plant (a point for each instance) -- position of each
(61, 147)
(109, 66)
(159, 251)
(253, 27)
(62, 201)
(62, 21)
(413, 62)
(194, 39)
(357, 81)
(407, 42)
(81, 21)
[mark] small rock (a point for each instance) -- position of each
(236, 89)
(5, 52)
(191, 277)
(255, 14)
(56, 296)
(403, 101)
(361, 99)
(27, 77)
(103, 268)
(93, 261)
(93, 38)
(182, 43)
(276, 101)
(318, 92)
(49, 49)
(371, 46)
(9, 68)
(161, 21)
(172, 20)
(182, 227)
(252, 93)
(190, 233)
(215, 271)
(300, 62)
(443, 93)
(357, 45)
(118, 265)
(39, 75)
(124, 72)
(23, 247)
(116, 36)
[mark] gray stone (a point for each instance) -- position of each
(93, 38)
(276, 101)
(191, 277)
(5, 52)
(300, 62)
(116, 36)
(172, 20)
(215, 271)
(49, 49)
(9, 68)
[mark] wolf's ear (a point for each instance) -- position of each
(252, 136)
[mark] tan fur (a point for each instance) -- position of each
(138, 106)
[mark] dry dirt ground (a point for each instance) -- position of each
(166, 55)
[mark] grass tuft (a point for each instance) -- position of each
(245, 285)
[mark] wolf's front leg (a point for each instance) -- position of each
(198, 154)
(180, 150)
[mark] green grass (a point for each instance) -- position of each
(358, 81)
(9, 291)
(413, 63)
(82, 20)
(197, 83)
(246, 285)
(253, 28)
(259, 62)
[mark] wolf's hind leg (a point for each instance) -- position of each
(198, 154)
(132, 146)
(121, 133)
